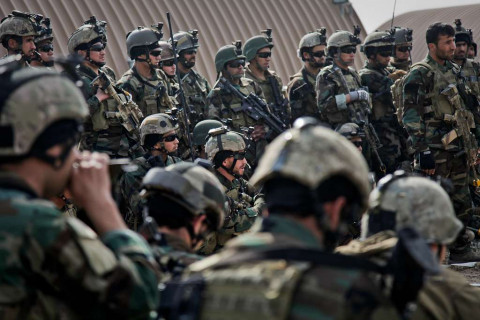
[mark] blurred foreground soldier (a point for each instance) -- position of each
(378, 78)
(226, 150)
(402, 59)
(159, 139)
(353, 133)
(52, 267)
(200, 135)
(44, 42)
(145, 81)
(418, 203)
(104, 131)
(437, 105)
(301, 88)
(315, 182)
(17, 34)
(195, 86)
(186, 202)
(258, 53)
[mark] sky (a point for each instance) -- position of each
(375, 12)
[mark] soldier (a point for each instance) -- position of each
(301, 88)
(472, 51)
(226, 150)
(402, 59)
(424, 207)
(17, 34)
(258, 53)
(315, 182)
(353, 133)
(195, 87)
(158, 137)
(435, 103)
(104, 131)
(200, 135)
(169, 68)
(44, 42)
(54, 266)
(378, 78)
(186, 202)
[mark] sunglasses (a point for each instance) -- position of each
(357, 143)
(98, 47)
(264, 55)
(155, 53)
(236, 63)
(239, 155)
(190, 51)
(170, 138)
(348, 50)
(385, 54)
(46, 48)
(318, 54)
(404, 49)
(167, 63)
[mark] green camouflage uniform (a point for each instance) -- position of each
(130, 186)
(150, 95)
(301, 93)
(100, 133)
(285, 288)
(54, 267)
(423, 118)
(384, 119)
(245, 203)
(196, 88)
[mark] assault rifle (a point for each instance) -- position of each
(280, 105)
(128, 113)
(255, 107)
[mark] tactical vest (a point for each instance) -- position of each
(380, 109)
(301, 90)
(195, 89)
(470, 71)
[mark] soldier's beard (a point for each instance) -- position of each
(316, 65)
(187, 64)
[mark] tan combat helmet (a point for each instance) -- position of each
(378, 41)
(221, 139)
(157, 124)
(312, 39)
(186, 40)
(191, 186)
(46, 32)
(311, 154)
(167, 51)
(22, 24)
(91, 30)
(32, 100)
(401, 201)
(341, 39)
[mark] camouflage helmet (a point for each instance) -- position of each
(143, 37)
(378, 40)
(21, 24)
(350, 130)
(403, 36)
(46, 32)
(191, 186)
(228, 53)
(89, 31)
(33, 100)
(462, 34)
(312, 39)
(200, 132)
(311, 154)
(185, 40)
(342, 39)
(256, 43)
(167, 50)
(159, 124)
(222, 139)
(401, 201)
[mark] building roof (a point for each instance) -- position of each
(219, 22)
(419, 21)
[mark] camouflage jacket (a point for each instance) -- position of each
(378, 83)
(302, 96)
(333, 83)
(150, 95)
(237, 286)
(54, 267)
(196, 89)
(245, 204)
(470, 71)
(223, 105)
(426, 110)
(444, 296)
(129, 188)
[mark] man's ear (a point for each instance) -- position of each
(198, 222)
(333, 210)
(12, 44)
(431, 46)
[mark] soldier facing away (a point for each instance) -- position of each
(53, 266)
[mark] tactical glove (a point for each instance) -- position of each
(427, 161)
(359, 95)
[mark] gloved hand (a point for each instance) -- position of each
(359, 95)
(427, 161)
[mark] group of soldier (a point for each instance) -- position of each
(238, 201)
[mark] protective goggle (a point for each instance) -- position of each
(171, 138)
(405, 48)
(319, 54)
(240, 155)
(190, 51)
(264, 55)
(348, 50)
(168, 63)
(98, 47)
(46, 48)
(155, 53)
(236, 63)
